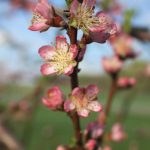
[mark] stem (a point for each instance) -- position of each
(113, 89)
(112, 92)
(72, 32)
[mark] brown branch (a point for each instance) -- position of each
(72, 32)
(112, 92)
(140, 33)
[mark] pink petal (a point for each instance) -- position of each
(78, 93)
(61, 43)
(92, 91)
(46, 102)
(113, 29)
(88, 3)
(73, 51)
(74, 6)
(68, 70)
(68, 106)
(39, 27)
(47, 52)
(94, 106)
(83, 112)
(44, 9)
(47, 69)
(99, 36)
(55, 92)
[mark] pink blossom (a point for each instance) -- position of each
(117, 133)
(90, 145)
(42, 16)
(94, 130)
(122, 46)
(125, 82)
(106, 28)
(99, 27)
(54, 99)
(112, 65)
(83, 100)
(59, 59)
(82, 15)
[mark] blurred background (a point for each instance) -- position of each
(24, 122)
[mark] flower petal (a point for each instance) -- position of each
(99, 37)
(68, 70)
(47, 52)
(47, 69)
(46, 102)
(68, 106)
(61, 44)
(55, 92)
(39, 27)
(92, 92)
(44, 9)
(88, 3)
(74, 6)
(83, 112)
(78, 93)
(94, 106)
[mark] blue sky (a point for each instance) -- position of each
(16, 24)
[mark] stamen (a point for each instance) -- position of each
(37, 18)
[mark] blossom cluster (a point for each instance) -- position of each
(81, 100)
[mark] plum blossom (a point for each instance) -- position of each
(105, 29)
(94, 130)
(125, 82)
(122, 46)
(83, 100)
(42, 16)
(117, 133)
(54, 99)
(59, 59)
(112, 65)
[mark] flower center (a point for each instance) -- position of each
(80, 103)
(61, 60)
(84, 18)
(38, 18)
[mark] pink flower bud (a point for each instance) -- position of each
(122, 46)
(125, 82)
(117, 133)
(94, 130)
(54, 99)
(112, 65)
